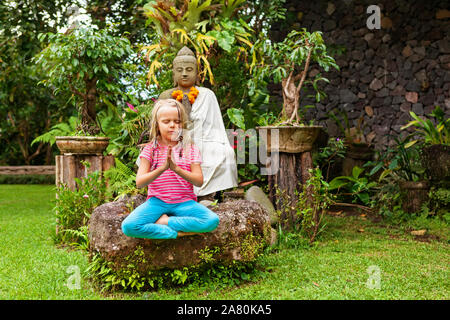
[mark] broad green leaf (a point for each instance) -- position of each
(356, 172)
(237, 117)
(337, 183)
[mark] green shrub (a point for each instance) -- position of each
(73, 208)
(310, 207)
(27, 179)
(440, 200)
(110, 277)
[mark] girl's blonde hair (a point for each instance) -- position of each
(185, 139)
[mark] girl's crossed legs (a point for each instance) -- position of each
(189, 216)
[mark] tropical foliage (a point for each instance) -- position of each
(87, 62)
(287, 62)
(431, 133)
(201, 26)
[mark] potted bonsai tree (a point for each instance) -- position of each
(85, 63)
(288, 63)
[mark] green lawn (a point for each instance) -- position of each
(31, 267)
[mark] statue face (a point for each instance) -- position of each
(185, 74)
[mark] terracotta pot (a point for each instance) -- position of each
(359, 151)
(291, 139)
(357, 154)
(82, 145)
(436, 161)
(415, 194)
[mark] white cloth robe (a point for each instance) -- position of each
(218, 158)
(207, 131)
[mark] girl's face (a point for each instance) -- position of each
(169, 124)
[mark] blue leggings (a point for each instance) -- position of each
(189, 216)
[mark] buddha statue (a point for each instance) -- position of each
(206, 126)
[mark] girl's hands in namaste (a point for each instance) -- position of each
(166, 164)
(169, 162)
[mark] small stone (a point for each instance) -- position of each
(412, 97)
(374, 43)
(420, 50)
(357, 55)
(442, 14)
(412, 43)
(386, 23)
(369, 53)
(444, 46)
(413, 86)
(382, 93)
(405, 107)
(330, 8)
(417, 108)
(381, 130)
(369, 36)
(391, 85)
(371, 136)
(416, 58)
(366, 79)
(398, 100)
(386, 38)
(421, 75)
(407, 51)
(347, 96)
(447, 103)
(398, 91)
(376, 84)
(407, 65)
(329, 25)
(369, 111)
(377, 102)
(361, 95)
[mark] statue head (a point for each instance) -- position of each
(185, 68)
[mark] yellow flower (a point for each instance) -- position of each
(178, 94)
(192, 95)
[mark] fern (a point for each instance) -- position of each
(122, 180)
(59, 129)
(80, 236)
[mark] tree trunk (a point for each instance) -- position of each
(292, 174)
(88, 113)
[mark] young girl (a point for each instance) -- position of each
(169, 165)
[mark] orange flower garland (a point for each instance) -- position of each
(192, 95)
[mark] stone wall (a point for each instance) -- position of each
(384, 73)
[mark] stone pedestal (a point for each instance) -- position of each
(69, 166)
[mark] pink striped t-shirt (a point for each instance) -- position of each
(170, 187)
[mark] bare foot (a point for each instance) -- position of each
(164, 219)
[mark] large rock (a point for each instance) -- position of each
(255, 193)
(244, 230)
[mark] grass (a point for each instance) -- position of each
(336, 267)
